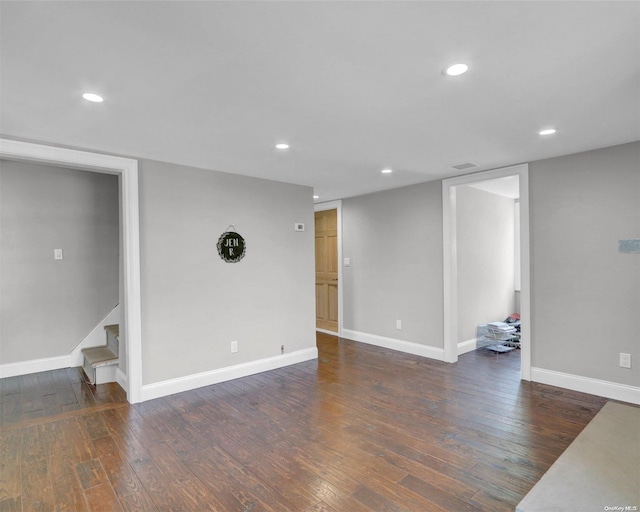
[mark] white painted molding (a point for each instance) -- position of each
(121, 379)
(450, 267)
(408, 347)
(96, 337)
(127, 169)
(34, 366)
(607, 389)
(198, 380)
(324, 331)
(467, 346)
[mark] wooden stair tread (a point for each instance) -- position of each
(99, 356)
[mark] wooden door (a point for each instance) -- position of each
(327, 270)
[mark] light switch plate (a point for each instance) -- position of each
(57, 254)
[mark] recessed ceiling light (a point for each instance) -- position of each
(90, 96)
(548, 131)
(316, 197)
(386, 171)
(456, 69)
(282, 146)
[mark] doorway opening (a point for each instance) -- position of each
(328, 250)
(127, 171)
(451, 246)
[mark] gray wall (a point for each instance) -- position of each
(486, 258)
(394, 240)
(193, 303)
(48, 307)
(585, 294)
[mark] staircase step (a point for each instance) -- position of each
(101, 363)
(114, 330)
(99, 356)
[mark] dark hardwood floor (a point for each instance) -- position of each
(45, 394)
(360, 429)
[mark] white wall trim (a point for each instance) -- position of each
(613, 390)
(467, 346)
(331, 333)
(408, 347)
(198, 380)
(127, 170)
(121, 379)
(450, 266)
(34, 366)
(97, 337)
(336, 205)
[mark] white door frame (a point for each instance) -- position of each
(335, 205)
(451, 265)
(127, 170)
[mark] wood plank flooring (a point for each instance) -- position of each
(44, 394)
(360, 429)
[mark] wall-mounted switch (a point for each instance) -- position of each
(234, 347)
(347, 262)
(57, 254)
(625, 360)
(298, 226)
(399, 325)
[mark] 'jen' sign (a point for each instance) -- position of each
(231, 247)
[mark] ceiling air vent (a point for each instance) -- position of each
(464, 166)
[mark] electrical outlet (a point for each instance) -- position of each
(282, 349)
(234, 347)
(625, 360)
(399, 325)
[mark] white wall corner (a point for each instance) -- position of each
(607, 389)
(198, 380)
(408, 347)
(34, 366)
(467, 346)
(96, 337)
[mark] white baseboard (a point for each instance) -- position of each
(122, 379)
(613, 390)
(198, 380)
(467, 346)
(96, 337)
(408, 347)
(34, 366)
(331, 333)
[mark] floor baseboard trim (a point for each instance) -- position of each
(467, 346)
(408, 347)
(121, 379)
(198, 380)
(34, 366)
(604, 388)
(325, 331)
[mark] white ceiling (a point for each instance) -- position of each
(353, 86)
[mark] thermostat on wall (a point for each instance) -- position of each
(298, 226)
